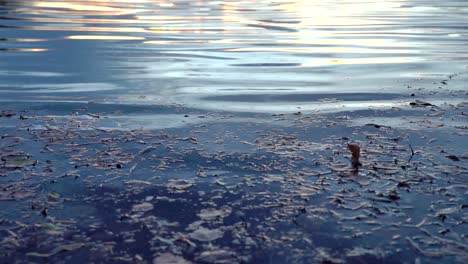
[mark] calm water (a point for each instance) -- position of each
(257, 56)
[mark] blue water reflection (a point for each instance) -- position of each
(192, 52)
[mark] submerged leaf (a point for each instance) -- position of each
(20, 163)
(38, 255)
(217, 256)
(179, 184)
(57, 250)
(69, 247)
(447, 211)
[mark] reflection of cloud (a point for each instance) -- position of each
(103, 37)
(239, 47)
(329, 25)
(78, 7)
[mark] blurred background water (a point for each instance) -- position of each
(247, 56)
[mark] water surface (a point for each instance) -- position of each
(199, 76)
(254, 56)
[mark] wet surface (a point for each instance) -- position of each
(236, 189)
(220, 132)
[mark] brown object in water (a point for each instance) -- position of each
(355, 154)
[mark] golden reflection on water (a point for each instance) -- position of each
(89, 29)
(298, 27)
(190, 49)
(97, 7)
(308, 16)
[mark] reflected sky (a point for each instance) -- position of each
(185, 51)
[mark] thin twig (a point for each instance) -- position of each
(412, 152)
(420, 250)
(111, 179)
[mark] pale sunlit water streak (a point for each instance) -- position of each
(216, 54)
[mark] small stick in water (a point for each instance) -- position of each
(355, 154)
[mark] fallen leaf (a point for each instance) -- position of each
(217, 256)
(212, 214)
(19, 163)
(206, 235)
(143, 207)
(179, 184)
(57, 250)
(447, 211)
(137, 182)
(168, 258)
(360, 252)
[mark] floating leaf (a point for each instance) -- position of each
(57, 250)
(38, 255)
(427, 123)
(168, 258)
(206, 235)
(146, 150)
(386, 169)
(137, 182)
(14, 194)
(360, 252)
(211, 213)
(69, 247)
(20, 163)
(143, 207)
(179, 184)
(217, 256)
(447, 211)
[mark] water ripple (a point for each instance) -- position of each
(200, 52)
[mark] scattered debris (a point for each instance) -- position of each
(168, 258)
(139, 196)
